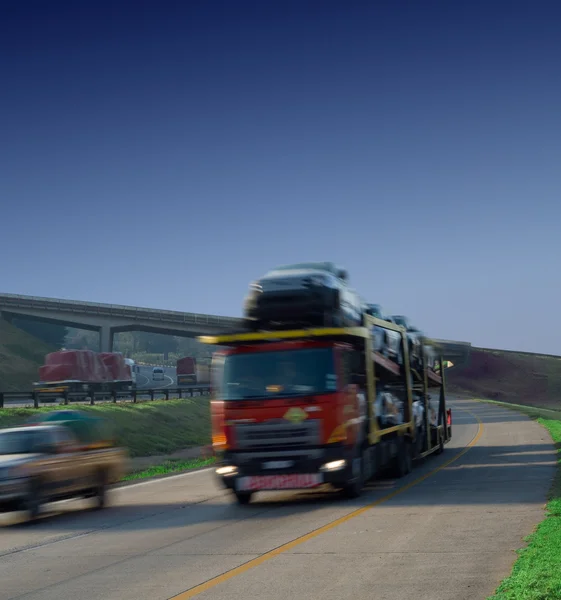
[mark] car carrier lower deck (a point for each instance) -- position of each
(288, 452)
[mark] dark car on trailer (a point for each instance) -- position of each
(315, 293)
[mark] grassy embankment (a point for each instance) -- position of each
(530, 385)
(21, 355)
(145, 428)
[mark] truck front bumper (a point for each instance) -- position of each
(311, 468)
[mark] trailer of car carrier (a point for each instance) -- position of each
(330, 430)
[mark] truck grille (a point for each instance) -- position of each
(278, 435)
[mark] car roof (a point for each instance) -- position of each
(31, 428)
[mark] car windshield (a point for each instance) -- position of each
(25, 441)
(288, 373)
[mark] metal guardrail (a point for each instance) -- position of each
(39, 398)
(14, 301)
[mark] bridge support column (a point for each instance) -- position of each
(6, 317)
(106, 339)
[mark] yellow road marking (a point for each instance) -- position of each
(255, 562)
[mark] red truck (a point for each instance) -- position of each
(84, 371)
(299, 409)
(186, 371)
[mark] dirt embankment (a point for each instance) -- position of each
(533, 380)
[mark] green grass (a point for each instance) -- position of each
(536, 575)
(534, 412)
(21, 354)
(145, 428)
(170, 466)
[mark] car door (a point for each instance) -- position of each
(67, 464)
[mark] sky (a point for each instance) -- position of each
(165, 154)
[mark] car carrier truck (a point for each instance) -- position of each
(303, 408)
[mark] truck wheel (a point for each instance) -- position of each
(100, 495)
(440, 444)
(420, 440)
(354, 489)
(404, 460)
(33, 499)
(243, 497)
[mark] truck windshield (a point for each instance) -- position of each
(22, 442)
(282, 374)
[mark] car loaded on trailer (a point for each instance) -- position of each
(304, 293)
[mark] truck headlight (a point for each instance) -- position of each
(227, 471)
(334, 465)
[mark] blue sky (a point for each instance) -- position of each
(163, 154)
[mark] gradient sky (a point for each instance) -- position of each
(163, 154)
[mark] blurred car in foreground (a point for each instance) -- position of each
(62, 458)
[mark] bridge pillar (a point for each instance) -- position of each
(6, 317)
(106, 339)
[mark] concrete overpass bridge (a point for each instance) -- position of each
(109, 319)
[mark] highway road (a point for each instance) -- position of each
(447, 531)
(144, 378)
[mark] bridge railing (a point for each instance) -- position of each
(38, 399)
(114, 310)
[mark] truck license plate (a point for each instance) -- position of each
(294, 481)
(278, 464)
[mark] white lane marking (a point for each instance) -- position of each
(171, 382)
(147, 380)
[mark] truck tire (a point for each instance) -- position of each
(403, 462)
(440, 444)
(420, 440)
(353, 489)
(243, 497)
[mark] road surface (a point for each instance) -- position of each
(144, 378)
(447, 531)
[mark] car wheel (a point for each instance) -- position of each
(33, 499)
(100, 490)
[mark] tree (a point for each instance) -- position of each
(50, 333)
(156, 343)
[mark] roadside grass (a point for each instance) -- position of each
(536, 574)
(20, 357)
(168, 467)
(144, 428)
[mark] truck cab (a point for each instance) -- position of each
(289, 413)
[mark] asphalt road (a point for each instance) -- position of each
(144, 378)
(447, 531)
